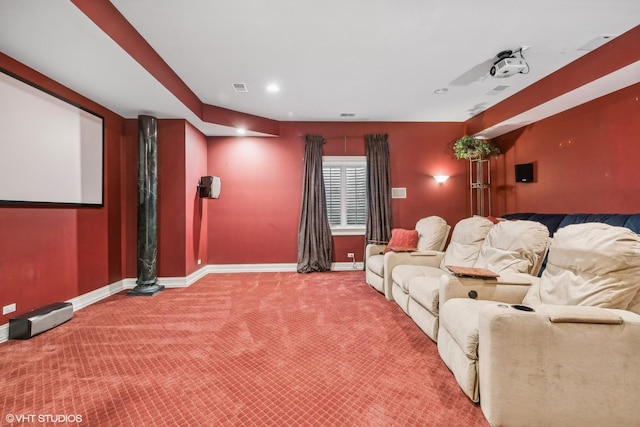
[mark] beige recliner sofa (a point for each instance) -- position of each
(463, 250)
(433, 233)
(507, 248)
(562, 353)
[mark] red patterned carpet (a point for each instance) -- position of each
(258, 349)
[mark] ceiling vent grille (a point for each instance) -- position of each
(496, 90)
(240, 87)
(597, 42)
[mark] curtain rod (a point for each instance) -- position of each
(337, 137)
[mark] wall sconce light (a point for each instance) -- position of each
(440, 179)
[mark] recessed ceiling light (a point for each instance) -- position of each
(441, 91)
(273, 88)
(241, 131)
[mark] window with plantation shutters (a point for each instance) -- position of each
(345, 189)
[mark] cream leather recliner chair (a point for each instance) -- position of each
(510, 248)
(563, 353)
(466, 239)
(433, 233)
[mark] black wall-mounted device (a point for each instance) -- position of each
(524, 172)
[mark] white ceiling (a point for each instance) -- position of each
(378, 59)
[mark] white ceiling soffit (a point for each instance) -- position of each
(63, 44)
(610, 83)
(378, 60)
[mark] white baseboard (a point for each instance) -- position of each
(172, 282)
(260, 268)
(250, 268)
(347, 266)
(96, 295)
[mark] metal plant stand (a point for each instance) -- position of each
(480, 184)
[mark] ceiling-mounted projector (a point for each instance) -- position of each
(508, 64)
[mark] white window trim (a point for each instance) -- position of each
(341, 161)
(348, 231)
(344, 159)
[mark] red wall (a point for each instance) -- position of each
(52, 254)
(256, 218)
(171, 196)
(130, 195)
(196, 227)
(584, 160)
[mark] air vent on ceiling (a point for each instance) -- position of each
(240, 87)
(347, 114)
(597, 42)
(496, 90)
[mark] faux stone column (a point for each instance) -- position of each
(147, 282)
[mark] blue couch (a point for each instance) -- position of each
(556, 221)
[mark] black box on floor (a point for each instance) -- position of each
(40, 320)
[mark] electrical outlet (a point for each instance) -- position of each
(350, 255)
(8, 308)
(199, 261)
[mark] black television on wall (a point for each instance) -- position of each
(524, 172)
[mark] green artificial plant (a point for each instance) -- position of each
(469, 147)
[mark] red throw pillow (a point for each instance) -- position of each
(403, 240)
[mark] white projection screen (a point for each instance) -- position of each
(51, 152)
